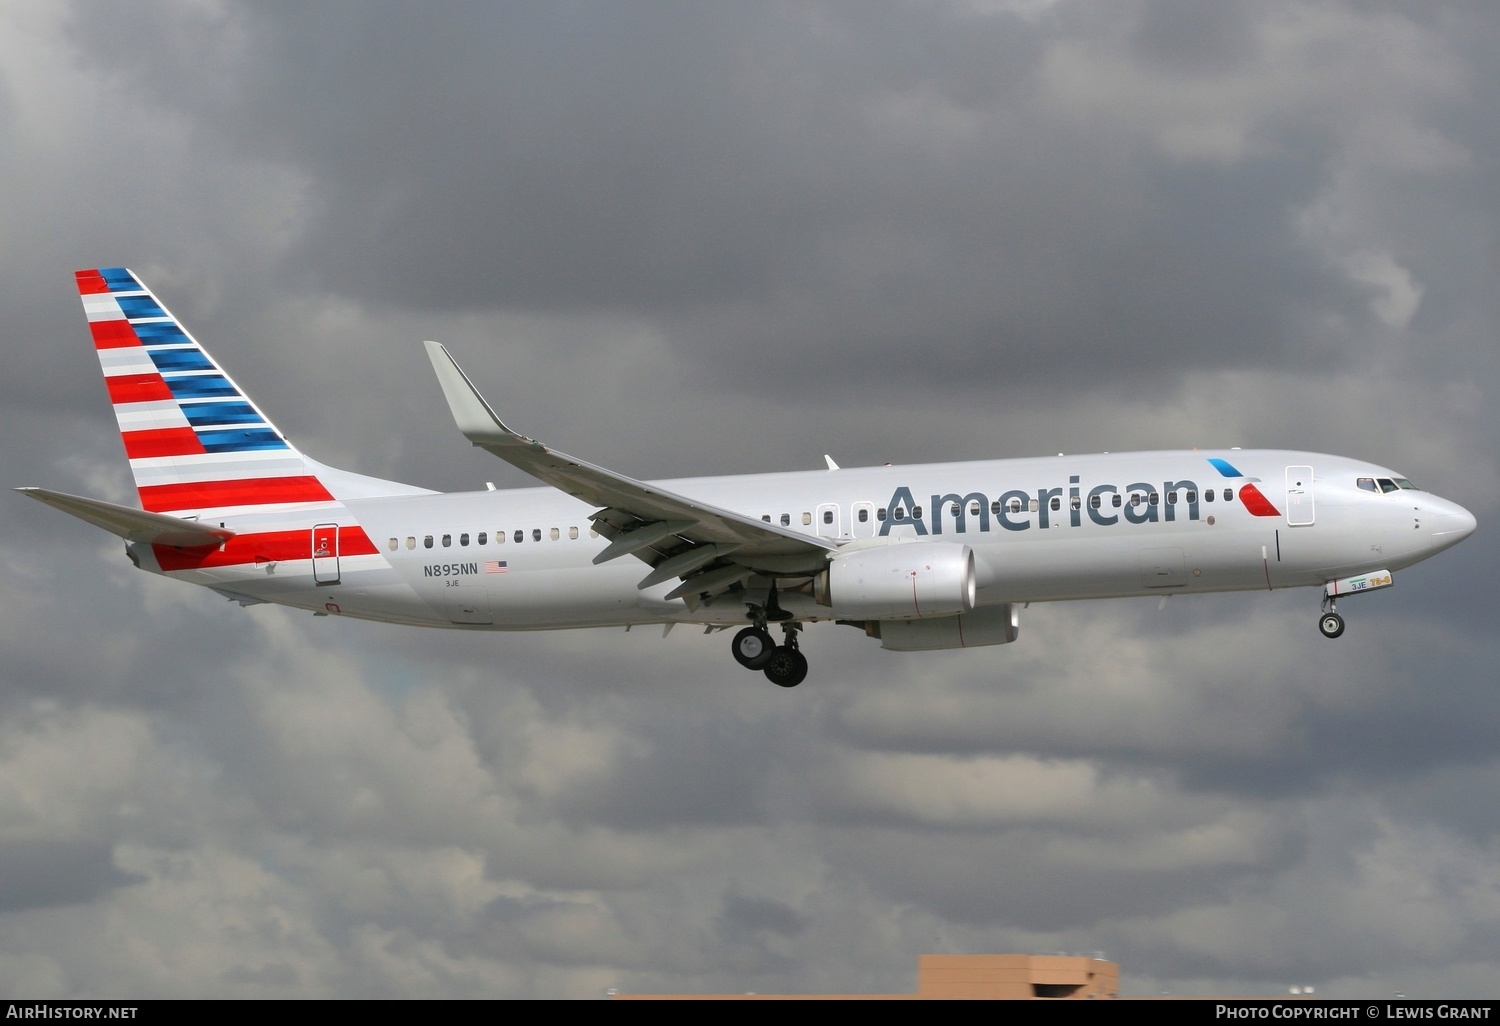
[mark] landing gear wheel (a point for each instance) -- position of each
(787, 667)
(1331, 624)
(753, 648)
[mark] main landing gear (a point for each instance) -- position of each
(784, 665)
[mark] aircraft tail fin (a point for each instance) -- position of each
(196, 443)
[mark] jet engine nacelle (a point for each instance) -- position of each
(987, 625)
(916, 579)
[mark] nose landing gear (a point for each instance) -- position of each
(1330, 623)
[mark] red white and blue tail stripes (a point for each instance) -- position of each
(196, 443)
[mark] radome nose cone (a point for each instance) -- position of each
(1454, 525)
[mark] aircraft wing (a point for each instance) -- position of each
(134, 525)
(676, 535)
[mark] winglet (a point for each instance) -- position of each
(471, 413)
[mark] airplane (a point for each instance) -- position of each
(922, 558)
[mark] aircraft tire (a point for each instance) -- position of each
(753, 648)
(787, 667)
(1332, 625)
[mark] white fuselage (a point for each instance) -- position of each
(1043, 529)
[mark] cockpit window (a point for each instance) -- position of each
(1386, 484)
(1402, 482)
(1368, 484)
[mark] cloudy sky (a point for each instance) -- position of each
(684, 239)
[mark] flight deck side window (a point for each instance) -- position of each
(1367, 484)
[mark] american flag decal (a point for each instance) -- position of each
(494, 566)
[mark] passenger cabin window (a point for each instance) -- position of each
(864, 515)
(447, 541)
(1229, 495)
(411, 541)
(520, 536)
(481, 539)
(463, 539)
(395, 544)
(806, 519)
(1095, 501)
(899, 513)
(786, 520)
(427, 541)
(973, 510)
(1154, 499)
(554, 534)
(880, 513)
(572, 534)
(1056, 503)
(1015, 505)
(766, 517)
(828, 516)
(536, 534)
(1115, 500)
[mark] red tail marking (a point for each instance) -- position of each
(90, 282)
(113, 334)
(257, 491)
(178, 441)
(137, 388)
(273, 546)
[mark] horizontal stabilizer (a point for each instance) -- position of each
(134, 525)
